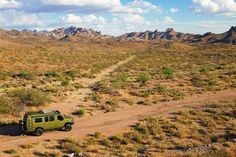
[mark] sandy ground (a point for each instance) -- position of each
(106, 123)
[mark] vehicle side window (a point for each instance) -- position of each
(38, 120)
(46, 119)
(51, 118)
(60, 118)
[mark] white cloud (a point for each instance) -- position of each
(9, 4)
(101, 3)
(114, 6)
(169, 20)
(174, 10)
(88, 21)
(224, 7)
(144, 5)
(14, 19)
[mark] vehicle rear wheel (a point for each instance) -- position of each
(68, 127)
(39, 132)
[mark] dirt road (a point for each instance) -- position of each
(109, 123)
(74, 100)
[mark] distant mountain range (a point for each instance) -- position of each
(77, 34)
(170, 34)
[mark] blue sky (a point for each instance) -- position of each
(116, 17)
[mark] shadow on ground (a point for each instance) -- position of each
(10, 130)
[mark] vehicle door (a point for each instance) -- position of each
(60, 121)
(36, 123)
(49, 122)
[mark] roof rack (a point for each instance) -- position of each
(48, 111)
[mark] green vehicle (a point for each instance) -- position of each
(44, 120)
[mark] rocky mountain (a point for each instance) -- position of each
(230, 36)
(171, 35)
(64, 34)
(77, 34)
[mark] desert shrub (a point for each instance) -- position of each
(106, 142)
(71, 74)
(71, 145)
(80, 112)
(48, 154)
(119, 81)
(65, 82)
(10, 151)
(3, 75)
(160, 89)
(30, 97)
(168, 73)
(52, 89)
(25, 75)
(212, 81)
(110, 106)
(197, 81)
(176, 94)
(216, 153)
(26, 146)
(97, 134)
(143, 78)
(52, 74)
(95, 97)
(6, 105)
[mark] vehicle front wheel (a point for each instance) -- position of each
(39, 132)
(68, 127)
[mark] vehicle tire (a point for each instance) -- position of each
(68, 127)
(38, 132)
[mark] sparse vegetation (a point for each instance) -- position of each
(195, 132)
(164, 74)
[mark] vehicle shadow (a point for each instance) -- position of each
(10, 130)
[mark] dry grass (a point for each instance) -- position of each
(196, 132)
(165, 73)
(52, 68)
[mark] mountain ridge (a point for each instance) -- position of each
(77, 33)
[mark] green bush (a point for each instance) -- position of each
(143, 78)
(6, 105)
(30, 97)
(168, 73)
(65, 82)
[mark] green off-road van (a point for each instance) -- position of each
(43, 120)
